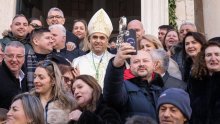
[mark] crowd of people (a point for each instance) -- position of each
(49, 75)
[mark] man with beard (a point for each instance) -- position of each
(135, 96)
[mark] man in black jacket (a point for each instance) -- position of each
(18, 31)
(136, 96)
(12, 80)
(59, 36)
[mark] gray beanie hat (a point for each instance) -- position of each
(178, 98)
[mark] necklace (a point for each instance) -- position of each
(97, 67)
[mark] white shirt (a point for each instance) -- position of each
(91, 63)
(21, 77)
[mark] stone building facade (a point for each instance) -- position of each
(153, 13)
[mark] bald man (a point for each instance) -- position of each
(138, 27)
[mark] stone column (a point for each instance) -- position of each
(211, 11)
(184, 11)
(7, 12)
(153, 14)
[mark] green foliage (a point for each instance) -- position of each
(172, 13)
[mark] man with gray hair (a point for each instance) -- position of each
(59, 36)
(56, 16)
(12, 79)
(185, 28)
(161, 63)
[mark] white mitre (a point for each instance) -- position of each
(100, 22)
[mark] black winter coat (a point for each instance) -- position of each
(130, 97)
(9, 86)
(205, 99)
(102, 115)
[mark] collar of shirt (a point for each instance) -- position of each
(21, 77)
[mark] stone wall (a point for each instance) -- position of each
(184, 11)
(211, 12)
(7, 12)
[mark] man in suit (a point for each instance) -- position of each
(161, 62)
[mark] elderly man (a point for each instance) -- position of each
(161, 63)
(173, 107)
(12, 77)
(56, 16)
(95, 62)
(185, 28)
(59, 36)
(138, 27)
(18, 31)
(135, 96)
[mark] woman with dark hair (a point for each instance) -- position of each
(193, 43)
(25, 109)
(49, 89)
(87, 93)
(204, 87)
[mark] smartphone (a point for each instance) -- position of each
(130, 37)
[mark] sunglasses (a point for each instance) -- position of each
(67, 79)
(35, 26)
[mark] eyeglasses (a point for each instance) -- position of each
(56, 17)
(11, 56)
(67, 79)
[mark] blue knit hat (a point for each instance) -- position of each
(178, 98)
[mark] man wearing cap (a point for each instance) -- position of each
(95, 62)
(173, 106)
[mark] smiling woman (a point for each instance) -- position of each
(204, 87)
(25, 109)
(49, 88)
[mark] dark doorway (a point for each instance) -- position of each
(75, 9)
